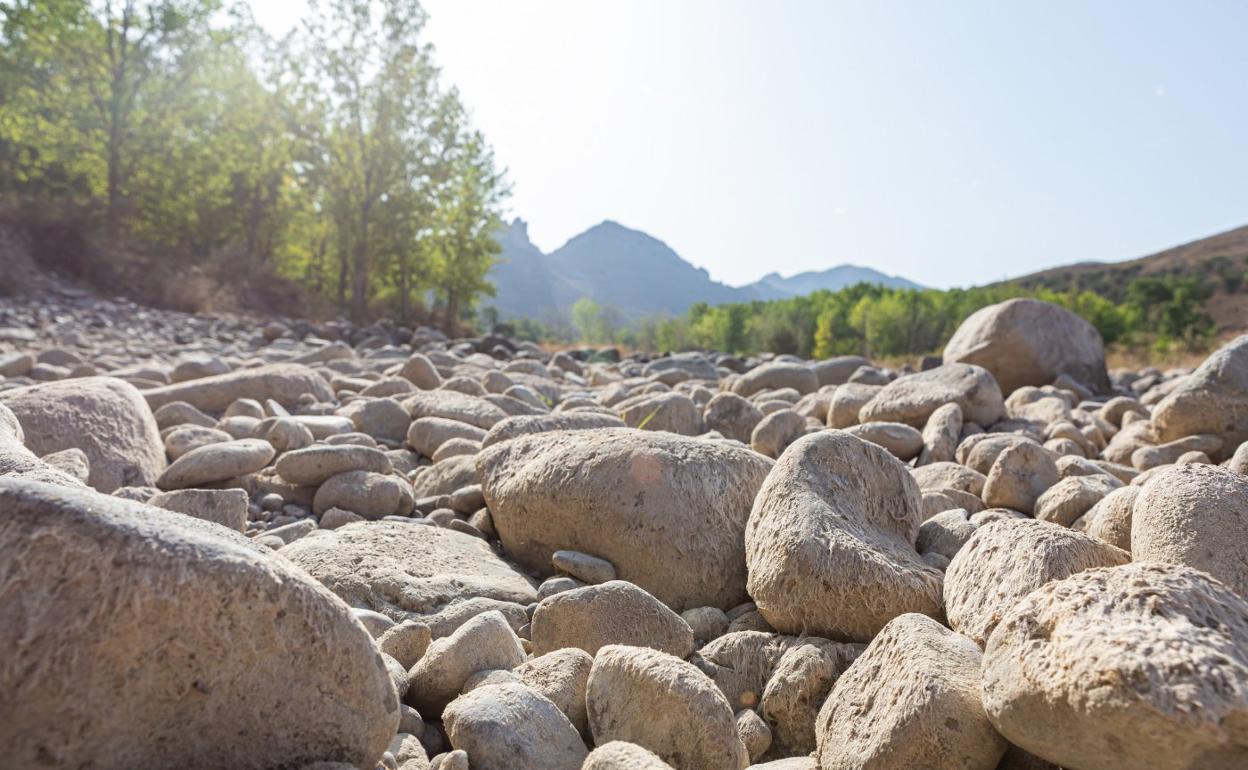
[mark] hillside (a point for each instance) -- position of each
(635, 274)
(1219, 261)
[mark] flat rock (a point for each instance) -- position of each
(284, 383)
(913, 398)
(216, 462)
(409, 572)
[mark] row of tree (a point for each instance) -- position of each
(882, 322)
(187, 140)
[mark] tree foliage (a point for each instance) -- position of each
(186, 141)
(876, 321)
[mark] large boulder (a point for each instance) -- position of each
(1029, 342)
(283, 383)
(1005, 560)
(910, 700)
(1213, 399)
(668, 511)
(104, 417)
(830, 544)
(409, 571)
(1143, 665)
(1195, 515)
(913, 398)
(665, 705)
(136, 637)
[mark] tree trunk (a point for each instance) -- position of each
(342, 277)
(404, 288)
(451, 322)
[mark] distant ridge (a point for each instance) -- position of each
(773, 286)
(635, 274)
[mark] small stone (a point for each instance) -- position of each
(583, 567)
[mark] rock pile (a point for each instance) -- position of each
(329, 546)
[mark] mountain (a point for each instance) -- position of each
(634, 273)
(523, 286)
(774, 286)
(1220, 261)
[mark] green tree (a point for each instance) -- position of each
(586, 319)
(467, 216)
(366, 72)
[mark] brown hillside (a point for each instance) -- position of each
(1220, 260)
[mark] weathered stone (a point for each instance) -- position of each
(615, 612)
(1029, 342)
(665, 705)
(284, 383)
(1143, 665)
(513, 727)
(667, 511)
(409, 572)
(104, 417)
(216, 462)
(1196, 515)
(199, 624)
(1004, 561)
(227, 507)
(830, 542)
(910, 700)
(912, 399)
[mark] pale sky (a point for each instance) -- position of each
(954, 143)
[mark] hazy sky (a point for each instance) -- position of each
(953, 143)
